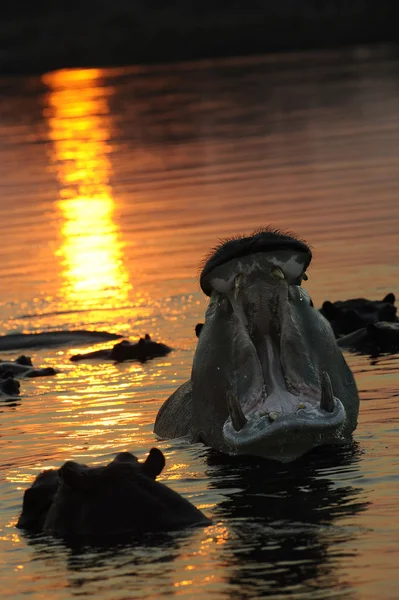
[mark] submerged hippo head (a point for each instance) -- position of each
(9, 386)
(350, 315)
(120, 498)
(268, 377)
(37, 501)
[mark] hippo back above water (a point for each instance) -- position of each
(268, 377)
(121, 498)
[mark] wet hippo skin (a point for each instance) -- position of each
(120, 498)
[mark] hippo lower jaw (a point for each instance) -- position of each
(288, 421)
(285, 436)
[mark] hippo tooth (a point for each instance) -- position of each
(238, 418)
(277, 273)
(237, 283)
(327, 396)
(273, 416)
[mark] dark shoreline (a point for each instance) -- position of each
(41, 37)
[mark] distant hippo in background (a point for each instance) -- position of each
(97, 502)
(375, 339)
(23, 367)
(268, 378)
(145, 349)
(9, 386)
(350, 315)
(48, 339)
(37, 501)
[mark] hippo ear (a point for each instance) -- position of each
(390, 298)
(329, 310)
(198, 329)
(24, 360)
(73, 475)
(154, 463)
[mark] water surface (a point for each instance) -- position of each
(114, 185)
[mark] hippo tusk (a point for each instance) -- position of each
(327, 396)
(277, 273)
(237, 284)
(238, 418)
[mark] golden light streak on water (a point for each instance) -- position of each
(182, 583)
(91, 249)
(218, 535)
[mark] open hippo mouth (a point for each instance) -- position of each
(268, 352)
(268, 378)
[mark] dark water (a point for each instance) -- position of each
(114, 184)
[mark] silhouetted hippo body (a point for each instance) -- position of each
(97, 502)
(268, 377)
(375, 339)
(23, 367)
(9, 386)
(350, 315)
(145, 349)
(46, 339)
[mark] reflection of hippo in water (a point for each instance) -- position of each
(350, 315)
(23, 367)
(283, 526)
(268, 377)
(143, 350)
(120, 498)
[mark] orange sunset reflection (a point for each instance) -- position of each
(91, 250)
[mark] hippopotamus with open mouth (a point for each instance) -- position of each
(268, 378)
